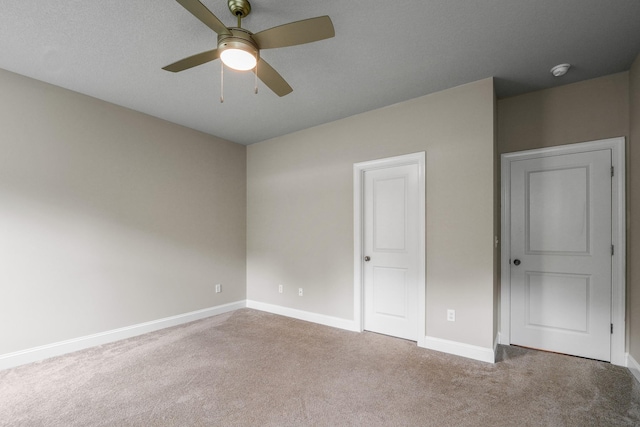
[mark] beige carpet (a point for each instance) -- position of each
(250, 368)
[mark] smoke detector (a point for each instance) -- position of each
(560, 70)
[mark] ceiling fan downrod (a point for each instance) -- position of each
(240, 9)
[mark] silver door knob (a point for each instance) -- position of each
(367, 258)
(516, 261)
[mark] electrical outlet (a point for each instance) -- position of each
(451, 315)
(280, 289)
(218, 288)
(299, 292)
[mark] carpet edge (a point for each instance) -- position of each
(35, 354)
(469, 351)
(633, 366)
(307, 316)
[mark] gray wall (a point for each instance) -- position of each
(585, 111)
(633, 244)
(110, 217)
(579, 112)
(300, 209)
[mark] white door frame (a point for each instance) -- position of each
(618, 229)
(358, 234)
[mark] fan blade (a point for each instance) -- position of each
(272, 79)
(192, 61)
(294, 33)
(201, 12)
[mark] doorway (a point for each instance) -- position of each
(389, 246)
(563, 249)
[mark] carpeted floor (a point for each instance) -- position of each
(250, 368)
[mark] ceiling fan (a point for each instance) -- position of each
(239, 48)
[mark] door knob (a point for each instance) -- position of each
(367, 258)
(516, 262)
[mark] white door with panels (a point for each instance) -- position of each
(391, 250)
(561, 253)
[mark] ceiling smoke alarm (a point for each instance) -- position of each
(560, 70)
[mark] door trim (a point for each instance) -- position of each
(618, 235)
(358, 234)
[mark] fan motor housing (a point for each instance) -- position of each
(239, 39)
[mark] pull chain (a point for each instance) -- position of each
(221, 82)
(256, 74)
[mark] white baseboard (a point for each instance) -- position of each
(22, 357)
(307, 316)
(10, 360)
(633, 366)
(460, 349)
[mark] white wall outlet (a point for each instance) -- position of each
(280, 289)
(451, 315)
(218, 288)
(299, 292)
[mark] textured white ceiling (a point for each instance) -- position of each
(384, 52)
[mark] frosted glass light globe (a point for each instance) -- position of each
(238, 59)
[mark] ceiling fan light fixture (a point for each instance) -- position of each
(239, 55)
(239, 49)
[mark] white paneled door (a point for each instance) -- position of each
(391, 250)
(561, 248)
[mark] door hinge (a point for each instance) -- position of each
(612, 328)
(612, 171)
(613, 250)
